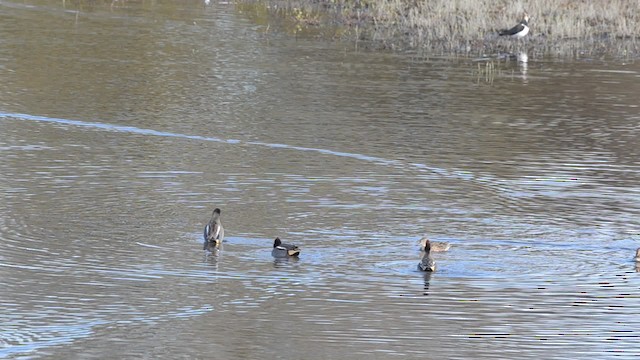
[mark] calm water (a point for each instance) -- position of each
(121, 129)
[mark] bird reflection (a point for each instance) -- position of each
(212, 249)
(285, 262)
(427, 281)
(212, 254)
(520, 58)
(523, 60)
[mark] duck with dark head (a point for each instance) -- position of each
(427, 263)
(282, 250)
(213, 231)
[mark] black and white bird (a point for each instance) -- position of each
(519, 31)
(214, 231)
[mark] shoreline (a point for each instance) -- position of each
(560, 28)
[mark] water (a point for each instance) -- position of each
(122, 128)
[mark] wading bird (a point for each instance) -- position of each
(519, 31)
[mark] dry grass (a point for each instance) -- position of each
(471, 19)
(558, 27)
(462, 26)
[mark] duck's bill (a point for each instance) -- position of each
(293, 252)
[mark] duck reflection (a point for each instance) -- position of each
(283, 262)
(427, 283)
(212, 254)
(212, 249)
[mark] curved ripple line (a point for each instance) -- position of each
(111, 127)
(143, 131)
(38, 337)
(499, 189)
(374, 159)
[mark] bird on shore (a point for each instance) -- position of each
(427, 263)
(519, 31)
(213, 231)
(436, 246)
(281, 249)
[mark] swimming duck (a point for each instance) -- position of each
(281, 249)
(427, 263)
(638, 255)
(436, 246)
(519, 31)
(214, 231)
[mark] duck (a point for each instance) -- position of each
(637, 259)
(436, 246)
(427, 263)
(519, 31)
(213, 231)
(281, 249)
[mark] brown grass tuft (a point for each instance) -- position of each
(463, 26)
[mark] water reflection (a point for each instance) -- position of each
(523, 63)
(212, 248)
(427, 282)
(503, 65)
(349, 154)
(285, 262)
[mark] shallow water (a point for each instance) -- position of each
(122, 128)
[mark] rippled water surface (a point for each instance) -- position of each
(122, 128)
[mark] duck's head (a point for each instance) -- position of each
(427, 246)
(525, 18)
(216, 213)
(277, 242)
